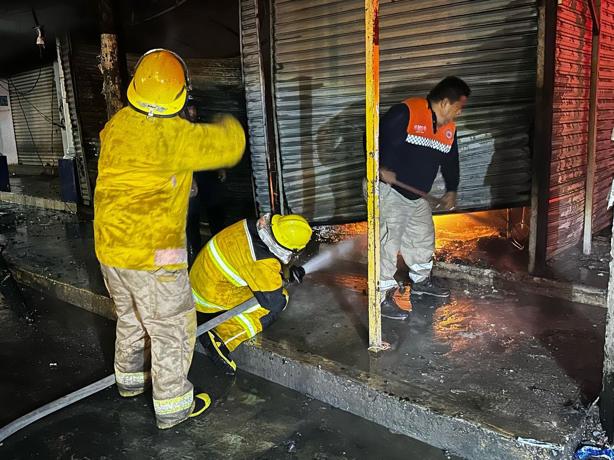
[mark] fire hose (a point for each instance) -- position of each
(106, 382)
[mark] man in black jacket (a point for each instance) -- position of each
(417, 138)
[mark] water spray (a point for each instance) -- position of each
(329, 254)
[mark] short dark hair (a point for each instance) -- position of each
(451, 88)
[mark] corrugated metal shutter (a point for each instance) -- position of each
(34, 105)
(253, 83)
(570, 125)
(319, 84)
(81, 164)
(90, 101)
(218, 88)
(605, 120)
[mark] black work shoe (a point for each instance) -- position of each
(390, 309)
(427, 287)
(202, 401)
(218, 352)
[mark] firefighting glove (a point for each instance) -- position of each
(296, 274)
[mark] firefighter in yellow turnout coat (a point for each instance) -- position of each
(148, 155)
(244, 261)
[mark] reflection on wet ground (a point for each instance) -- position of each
(526, 364)
(67, 348)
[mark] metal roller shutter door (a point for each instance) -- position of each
(319, 85)
(34, 105)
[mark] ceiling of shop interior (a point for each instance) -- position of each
(193, 28)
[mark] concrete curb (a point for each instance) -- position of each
(79, 297)
(39, 202)
(520, 281)
(362, 395)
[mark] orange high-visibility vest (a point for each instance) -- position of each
(420, 127)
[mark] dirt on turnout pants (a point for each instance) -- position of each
(156, 331)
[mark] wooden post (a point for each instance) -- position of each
(542, 143)
(372, 124)
(592, 129)
(109, 58)
(606, 400)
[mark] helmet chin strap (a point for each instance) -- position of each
(266, 235)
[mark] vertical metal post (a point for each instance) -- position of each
(592, 129)
(372, 124)
(542, 143)
(606, 400)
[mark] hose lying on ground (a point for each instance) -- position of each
(106, 382)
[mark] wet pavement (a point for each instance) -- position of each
(64, 349)
(54, 244)
(593, 269)
(523, 364)
(252, 419)
(39, 185)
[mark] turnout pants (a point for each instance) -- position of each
(237, 329)
(405, 226)
(156, 331)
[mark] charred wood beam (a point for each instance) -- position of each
(110, 65)
(595, 7)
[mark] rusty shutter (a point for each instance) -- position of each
(604, 159)
(252, 81)
(319, 93)
(36, 117)
(569, 125)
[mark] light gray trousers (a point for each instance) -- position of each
(405, 226)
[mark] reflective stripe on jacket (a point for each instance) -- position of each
(234, 266)
(420, 127)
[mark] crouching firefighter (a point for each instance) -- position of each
(243, 261)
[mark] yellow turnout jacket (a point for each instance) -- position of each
(234, 266)
(144, 178)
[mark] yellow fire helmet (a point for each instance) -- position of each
(160, 84)
(292, 231)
